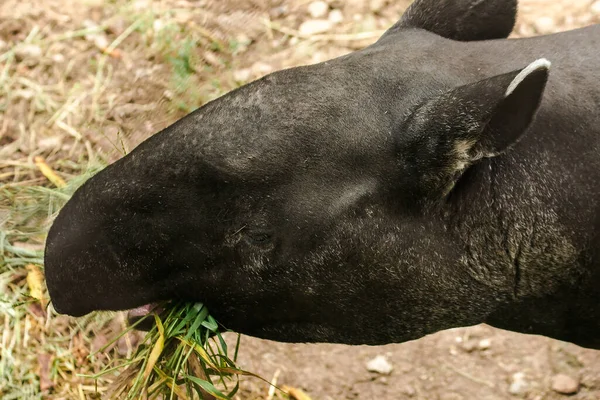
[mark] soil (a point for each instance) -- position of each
(467, 363)
(478, 362)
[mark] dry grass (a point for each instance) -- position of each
(81, 83)
(75, 83)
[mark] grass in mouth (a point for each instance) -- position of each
(183, 356)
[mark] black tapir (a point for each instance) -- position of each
(444, 176)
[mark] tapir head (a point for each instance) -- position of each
(311, 205)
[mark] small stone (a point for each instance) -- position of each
(261, 68)
(58, 58)
(314, 26)
(169, 94)
(212, 59)
(335, 16)
(93, 30)
(242, 75)
(565, 384)
(595, 8)
(158, 25)
(101, 42)
(318, 57)
(380, 365)
(28, 52)
(485, 344)
(3, 44)
(318, 9)
(518, 385)
(545, 25)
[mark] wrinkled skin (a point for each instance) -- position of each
(432, 180)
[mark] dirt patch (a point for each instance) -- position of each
(88, 80)
(468, 363)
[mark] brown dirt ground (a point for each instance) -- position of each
(57, 102)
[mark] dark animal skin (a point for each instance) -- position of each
(444, 176)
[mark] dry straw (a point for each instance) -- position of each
(183, 356)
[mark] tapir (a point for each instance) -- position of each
(444, 176)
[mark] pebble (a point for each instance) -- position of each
(318, 9)
(335, 16)
(544, 25)
(58, 58)
(485, 344)
(28, 51)
(380, 365)
(595, 8)
(242, 75)
(101, 42)
(518, 385)
(169, 94)
(314, 26)
(565, 384)
(261, 68)
(158, 25)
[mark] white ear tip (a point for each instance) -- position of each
(537, 65)
(542, 63)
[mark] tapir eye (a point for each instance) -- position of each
(260, 238)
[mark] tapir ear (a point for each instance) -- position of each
(450, 132)
(464, 20)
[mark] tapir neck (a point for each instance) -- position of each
(518, 237)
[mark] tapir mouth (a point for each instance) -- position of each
(142, 316)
